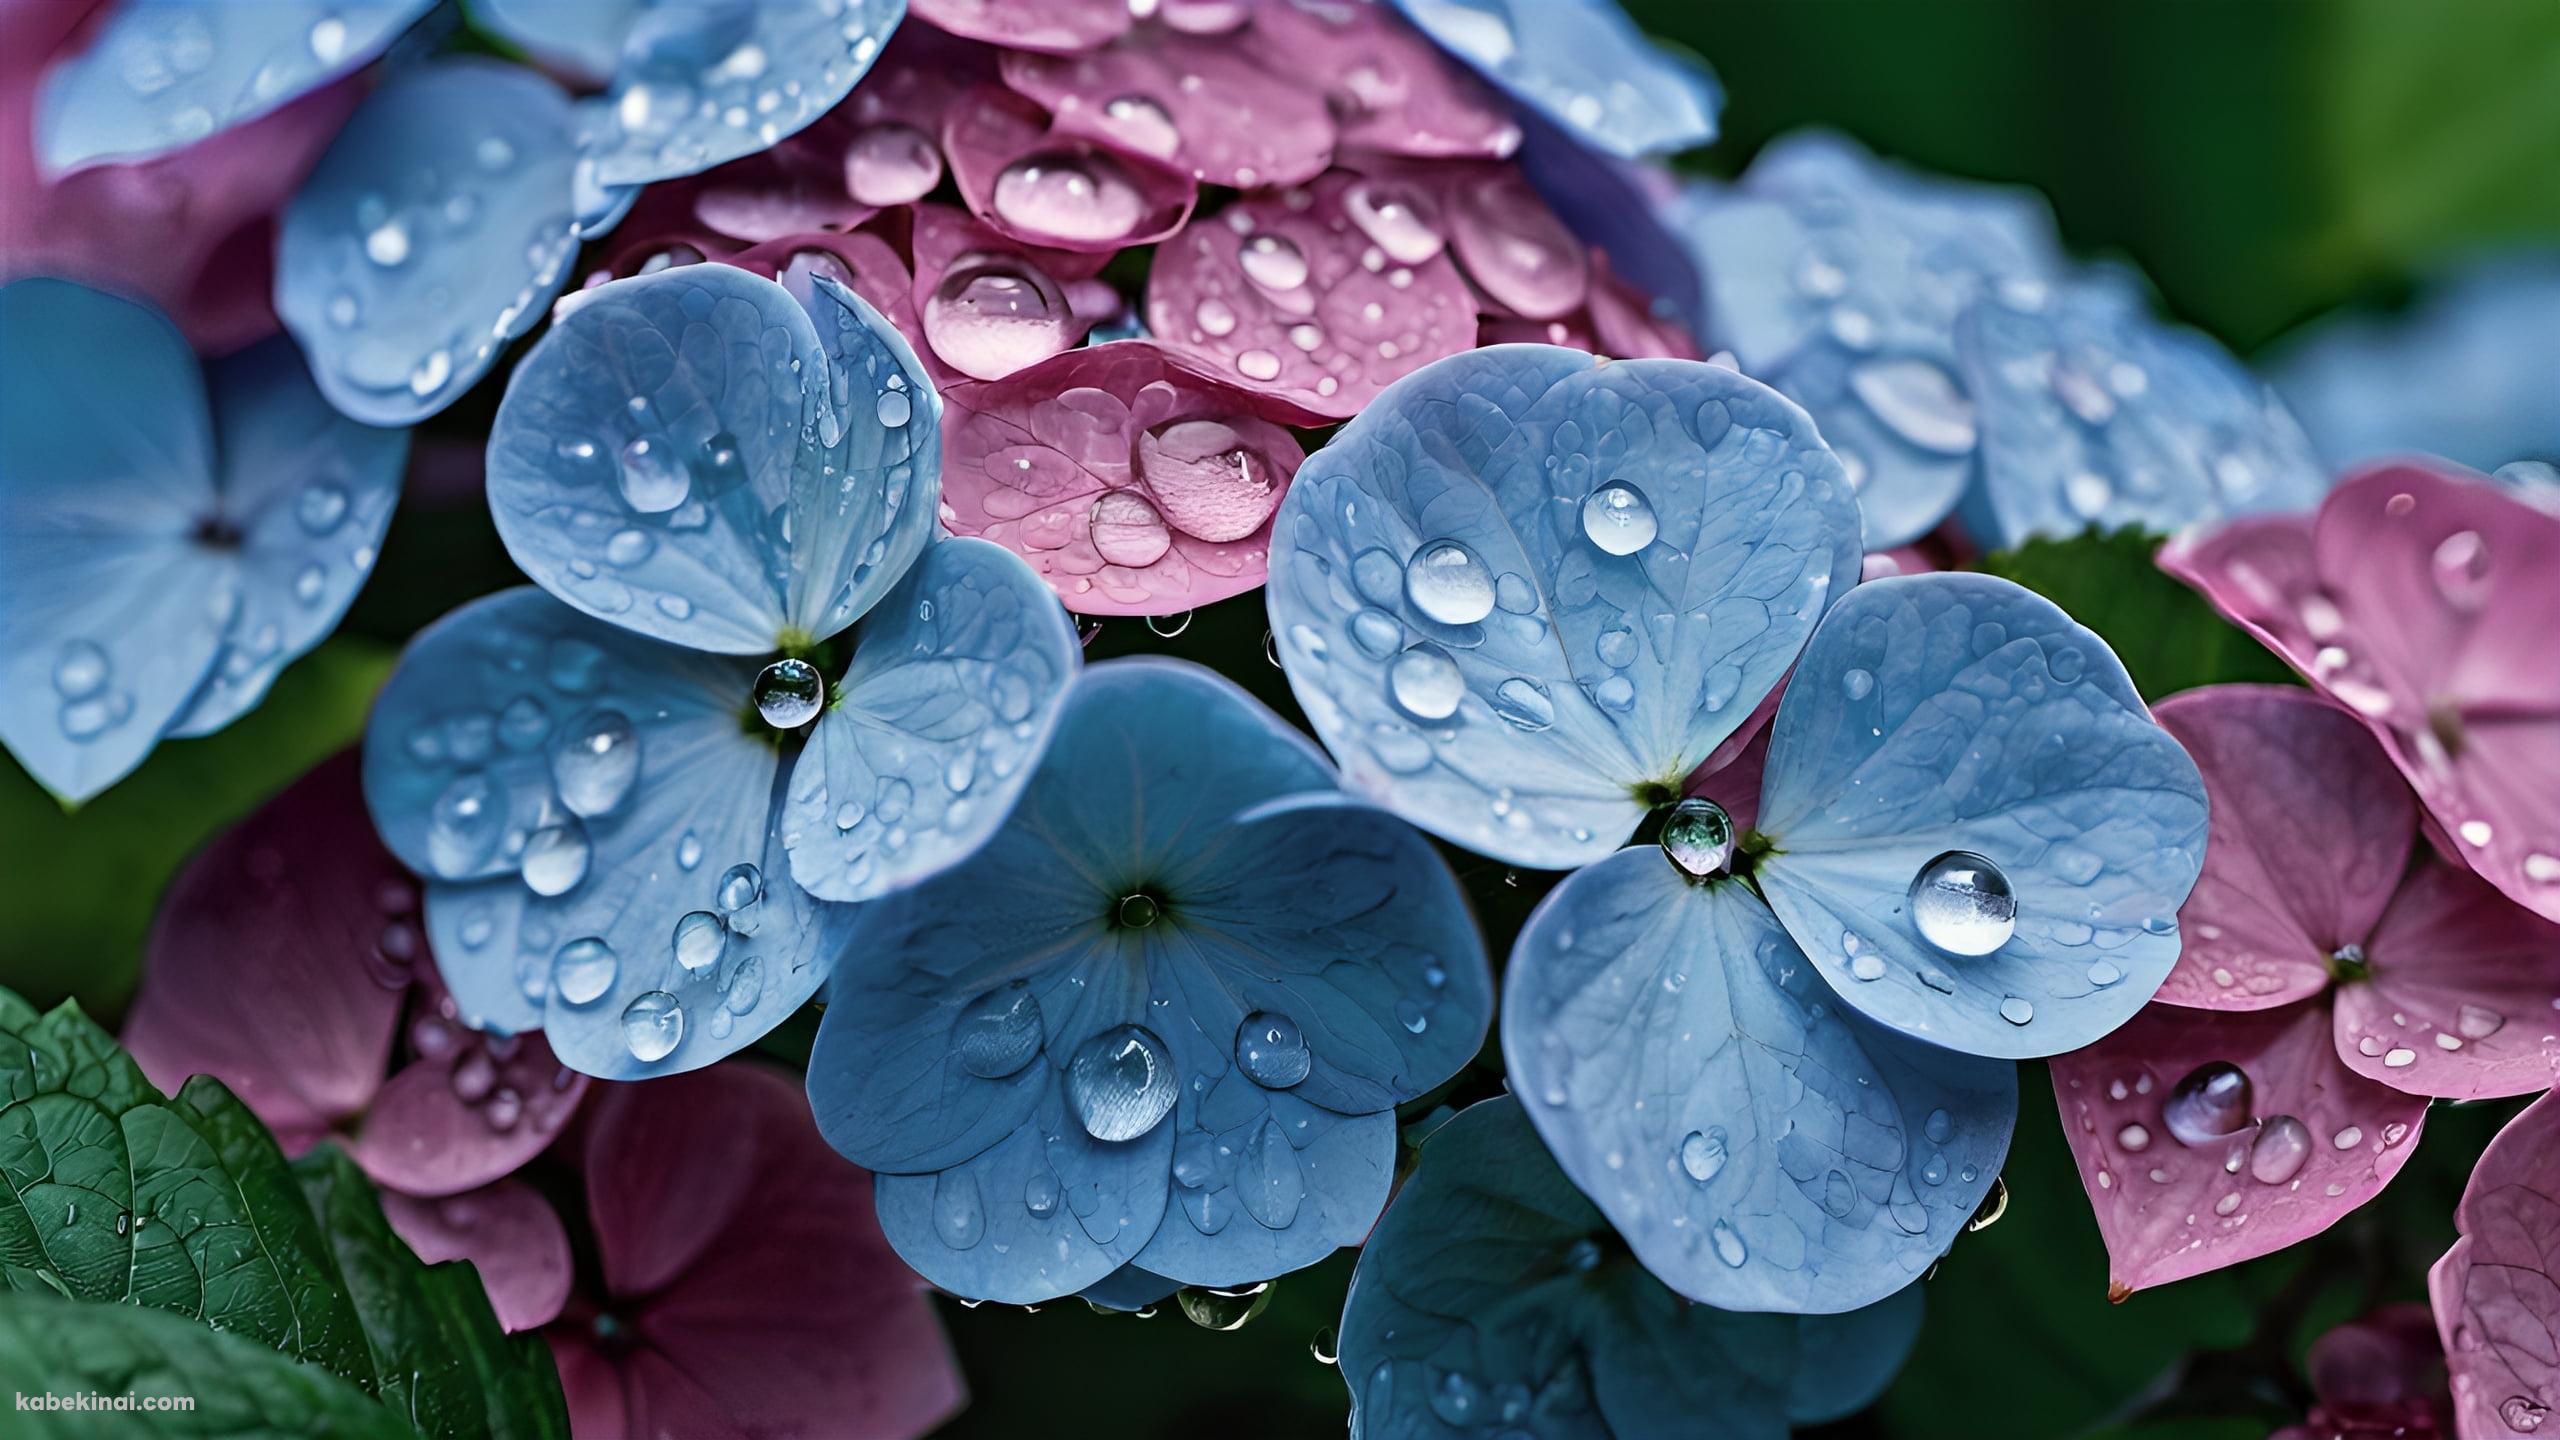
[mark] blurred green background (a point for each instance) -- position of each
(2262, 160)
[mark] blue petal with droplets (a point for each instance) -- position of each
(955, 1022)
(1527, 692)
(1939, 714)
(584, 39)
(166, 73)
(693, 455)
(1584, 65)
(436, 229)
(560, 781)
(1493, 1298)
(953, 691)
(2094, 413)
(1759, 1146)
(699, 85)
(310, 493)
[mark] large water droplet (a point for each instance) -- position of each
(1273, 263)
(789, 693)
(891, 164)
(998, 1033)
(959, 1214)
(2212, 1103)
(555, 858)
(740, 886)
(654, 480)
(1919, 401)
(1703, 1153)
(465, 825)
(1142, 125)
(1270, 1048)
(595, 762)
(1396, 218)
(1426, 682)
(1618, 518)
(1698, 836)
(994, 314)
(1728, 1243)
(1446, 582)
(1127, 530)
(700, 940)
(1120, 1083)
(1524, 703)
(2277, 1154)
(1224, 1309)
(1069, 197)
(583, 970)
(653, 1026)
(1962, 904)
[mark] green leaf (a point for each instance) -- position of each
(2168, 637)
(53, 1346)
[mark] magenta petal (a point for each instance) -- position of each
(1206, 106)
(1391, 91)
(1730, 775)
(2388, 1357)
(2310, 831)
(797, 186)
(1514, 248)
(1289, 296)
(468, 1110)
(1628, 329)
(1063, 26)
(665, 1171)
(280, 957)
(1046, 188)
(2497, 1291)
(507, 1231)
(590, 1384)
(1574, 331)
(1134, 484)
(2460, 999)
(2320, 1141)
(987, 304)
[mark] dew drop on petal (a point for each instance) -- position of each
(1271, 1049)
(999, 1032)
(700, 940)
(1617, 518)
(2212, 1103)
(1426, 683)
(583, 970)
(1121, 1083)
(2277, 1154)
(1703, 1153)
(789, 693)
(1962, 904)
(1447, 583)
(1698, 836)
(594, 763)
(653, 1025)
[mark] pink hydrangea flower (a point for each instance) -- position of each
(2497, 1291)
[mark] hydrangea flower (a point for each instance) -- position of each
(2420, 598)
(288, 962)
(1524, 596)
(2335, 977)
(1493, 1298)
(160, 563)
(1162, 1019)
(2381, 1375)
(629, 809)
(2494, 1291)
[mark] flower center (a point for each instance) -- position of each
(2348, 965)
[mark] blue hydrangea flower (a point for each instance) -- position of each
(1494, 1300)
(163, 74)
(1839, 279)
(441, 223)
(630, 813)
(170, 537)
(1525, 594)
(1162, 1020)
(1582, 65)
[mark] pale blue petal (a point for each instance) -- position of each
(1960, 713)
(1594, 679)
(1265, 1183)
(584, 39)
(111, 611)
(1128, 1288)
(310, 493)
(702, 82)
(684, 456)
(435, 230)
(1834, 1160)
(953, 691)
(166, 73)
(1494, 1300)
(1584, 65)
(2094, 413)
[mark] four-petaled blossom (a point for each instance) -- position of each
(1163, 1019)
(171, 536)
(1524, 596)
(629, 823)
(2496, 1293)
(2336, 975)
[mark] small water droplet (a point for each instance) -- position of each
(700, 940)
(595, 762)
(1962, 904)
(1426, 683)
(999, 1032)
(653, 479)
(2277, 1154)
(555, 858)
(789, 693)
(1271, 1049)
(1728, 1243)
(1703, 1153)
(653, 1025)
(1446, 582)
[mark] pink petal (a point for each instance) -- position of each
(507, 1231)
(800, 185)
(1730, 775)
(280, 957)
(2311, 829)
(1064, 26)
(1391, 91)
(1043, 187)
(590, 1383)
(666, 1170)
(1513, 247)
(861, 262)
(2460, 1000)
(467, 1109)
(1134, 484)
(1215, 110)
(1623, 318)
(2389, 1357)
(2497, 1303)
(2320, 1141)
(987, 304)
(1288, 296)
(892, 153)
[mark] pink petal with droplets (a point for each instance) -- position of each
(989, 305)
(2229, 1199)
(1391, 91)
(1204, 105)
(1063, 26)
(466, 1109)
(1046, 188)
(2311, 829)
(800, 185)
(508, 1232)
(1285, 296)
(1134, 484)
(1513, 247)
(2463, 988)
(2496, 1293)
(280, 958)
(2424, 603)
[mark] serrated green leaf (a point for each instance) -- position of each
(53, 1346)
(2167, 636)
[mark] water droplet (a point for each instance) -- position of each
(995, 314)
(583, 969)
(1224, 1309)
(1618, 518)
(1127, 530)
(1728, 1243)
(1857, 684)
(2399, 1058)
(1395, 218)
(320, 507)
(595, 762)
(465, 825)
(1273, 263)
(1258, 365)
(1446, 582)
(1962, 904)
(1166, 627)
(1142, 125)
(2212, 1103)
(80, 670)
(1698, 836)
(2017, 1010)
(1703, 1153)
(2522, 1414)
(959, 1215)
(2462, 569)
(891, 164)
(789, 693)
(1121, 1083)
(653, 479)
(1138, 911)
(1426, 683)
(998, 1033)
(2277, 1154)
(740, 886)
(555, 858)
(387, 244)
(653, 1026)
(2134, 1138)
(1918, 400)
(700, 940)
(1079, 198)
(1524, 704)
(1270, 1048)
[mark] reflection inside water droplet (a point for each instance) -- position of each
(1962, 904)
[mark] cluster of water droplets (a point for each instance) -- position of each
(689, 95)
(2211, 1116)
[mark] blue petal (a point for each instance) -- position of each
(482, 751)
(1584, 65)
(166, 73)
(1960, 713)
(1493, 1299)
(1760, 1148)
(694, 456)
(954, 688)
(310, 493)
(1128, 1288)
(1594, 679)
(1839, 279)
(110, 611)
(2094, 413)
(1279, 898)
(704, 83)
(435, 230)
(584, 39)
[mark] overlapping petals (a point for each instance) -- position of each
(1582, 65)
(2496, 1293)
